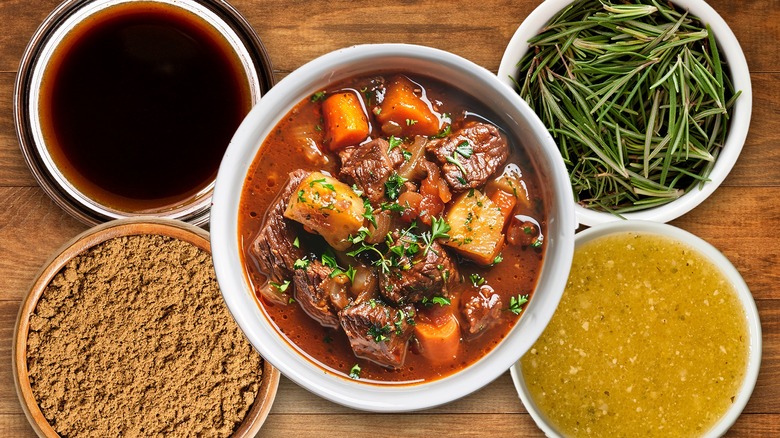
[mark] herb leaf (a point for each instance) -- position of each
(516, 303)
(393, 186)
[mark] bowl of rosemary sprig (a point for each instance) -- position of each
(649, 101)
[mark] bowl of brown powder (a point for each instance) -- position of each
(125, 333)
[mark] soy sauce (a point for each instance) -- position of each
(139, 104)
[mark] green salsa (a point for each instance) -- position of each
(649, 339)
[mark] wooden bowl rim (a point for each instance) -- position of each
(92, 237)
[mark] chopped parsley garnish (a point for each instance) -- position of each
(464, 149)
(281, 287)
(442, 301)
(321, 181)
(393, 186)
(444, 132)
(410, 122)
(357, 190)
(394, 142)
(297, 243)
(368, 212)
(476, 279)
(407, 155)
(354, 372)
(329, 259)
(318, 96)
(439, 229)
(499, 258)
(379, 334)
(454, 160)
(462, 180)
(392, 206)
(300, 196)
(515, 303)
(301, 264)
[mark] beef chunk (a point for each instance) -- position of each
(312, 292)
(423, 275)
(273, 247)
(481, 308)
(479, 148)
(378, 332)
(368, 166)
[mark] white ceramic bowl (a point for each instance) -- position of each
(519, 121)
(731, 274)
(730, 51)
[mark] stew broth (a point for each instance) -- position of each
(299, 141)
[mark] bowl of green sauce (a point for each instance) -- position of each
(656, 334)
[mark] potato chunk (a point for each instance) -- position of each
(476, 227)
(328, 207)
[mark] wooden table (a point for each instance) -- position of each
(741, 219)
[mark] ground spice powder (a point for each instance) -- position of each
(132, 338)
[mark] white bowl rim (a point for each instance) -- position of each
(729, 271)
(240, 298)
(730, 50)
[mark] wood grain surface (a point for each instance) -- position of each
(741, 219)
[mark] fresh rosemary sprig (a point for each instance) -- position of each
(635, 96)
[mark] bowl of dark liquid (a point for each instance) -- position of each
(125, 107)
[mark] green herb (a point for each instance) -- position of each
(357, 190)
(442, 301)
(477, 280)
(318, 128)
(354, 372)
(439, 229)
(321, 181)
(465, 149)
(499, 258)
(301, 264)
(394, 142)
(410, 122)
(350, 273)
(329, 259)
(318, 96)
(393, 185)
(444, 132)
(407, 155)
(392, 206)
(379, 334)
(297, 242)
(516, 303)
(300, 196)
(281, 287)
(454, 160)
(368, 212)
(635, 97)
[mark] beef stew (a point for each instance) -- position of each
(375, 221)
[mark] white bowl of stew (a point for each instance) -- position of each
(391, 227)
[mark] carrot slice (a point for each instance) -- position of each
(439, 339)
(345, 120)
(404, 113)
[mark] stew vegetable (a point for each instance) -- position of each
(392, 231)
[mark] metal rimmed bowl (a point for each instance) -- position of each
(216, 15)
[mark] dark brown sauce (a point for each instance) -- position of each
(139, 104)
